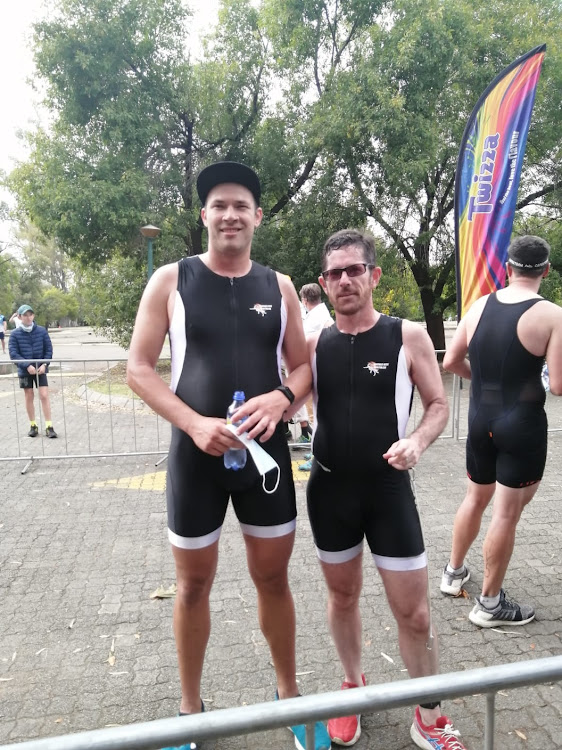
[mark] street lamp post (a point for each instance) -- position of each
(151, 233)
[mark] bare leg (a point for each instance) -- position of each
(408, 599)
(268, 560)
(468, 519)
(29, 403)
(500, 539)
(195, 572)
(45, 402)
(344, 581)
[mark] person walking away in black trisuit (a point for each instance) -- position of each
(507, 336)
(229, 320)
(365, 368)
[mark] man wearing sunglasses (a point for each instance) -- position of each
(365, 368)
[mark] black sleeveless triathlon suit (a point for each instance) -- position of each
(507, 426)
(226, 335)
(363, 395)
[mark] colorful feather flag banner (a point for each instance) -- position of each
(487, 177)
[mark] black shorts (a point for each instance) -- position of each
(28, 381)
(1, 335)
(507, 447)
(343, 508)
(198, 488)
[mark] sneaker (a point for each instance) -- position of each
(50, 433)
(451, 583)
(33, 431)
(440, 736)
(506, 613)
(347, 729)
(307, 456)
(307, 466)
(321, 737)
(303, 439)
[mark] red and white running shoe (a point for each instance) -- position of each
(347, 729)
(440, 736)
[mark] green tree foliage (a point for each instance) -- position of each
(352, 112)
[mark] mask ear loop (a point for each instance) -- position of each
(270, 492)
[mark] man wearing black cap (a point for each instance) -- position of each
(507, 336)
(229, 320)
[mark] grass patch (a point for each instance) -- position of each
(114, 380)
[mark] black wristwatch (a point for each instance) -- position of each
(286, 392)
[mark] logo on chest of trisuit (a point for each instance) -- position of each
(375, 367)
(261, 309)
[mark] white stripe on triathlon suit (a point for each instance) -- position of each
(339, 557)
(281, 337)
(401, 563)
(269, 532)
(194, 542)
(177, 343)
(403, 393)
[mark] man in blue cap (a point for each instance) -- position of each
(31, 345)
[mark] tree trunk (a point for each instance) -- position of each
(433, 319)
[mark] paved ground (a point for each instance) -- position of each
(83, 646)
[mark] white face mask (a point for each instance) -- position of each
(261, 458)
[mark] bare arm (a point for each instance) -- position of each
(425, 375)
(264, 412)
(455, 357)
(554, 353)
(151, 325)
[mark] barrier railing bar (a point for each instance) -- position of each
(490, 721)
(84, 455)
(87, 410)
(306, 709)
(108, 371)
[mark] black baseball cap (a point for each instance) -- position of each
(227, 171)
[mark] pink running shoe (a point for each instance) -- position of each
(440, 736)
(347, 729)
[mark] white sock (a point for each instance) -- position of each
(456, 571)
(490, 602)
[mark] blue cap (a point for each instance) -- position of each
(239, 396)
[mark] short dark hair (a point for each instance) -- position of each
(311, 293)
(351, 238)
(528, 255)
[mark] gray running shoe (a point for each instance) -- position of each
(506, 613)
(451, 583)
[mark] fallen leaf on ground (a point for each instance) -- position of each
(71, 624)
(58, 721)
(111, 660)
(300, 674)
(40, 651)
(6, 679)
(520, 734)
(464, 594)
(118, 673)
(388, 658)
(163, 593)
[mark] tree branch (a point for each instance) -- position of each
(538, 194)
(292, 191)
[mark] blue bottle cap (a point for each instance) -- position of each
(239, 396)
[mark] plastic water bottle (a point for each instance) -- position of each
(545, 377)
(235, 458)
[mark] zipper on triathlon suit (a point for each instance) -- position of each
(351, 383)
(234, 307)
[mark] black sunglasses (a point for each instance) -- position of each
(335, 274)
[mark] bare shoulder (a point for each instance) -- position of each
(415, 336)
(285, 284)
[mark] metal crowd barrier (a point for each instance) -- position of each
(307, 709)
(91, 424)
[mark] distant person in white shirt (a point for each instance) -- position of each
(15, 319)
(317, 317)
